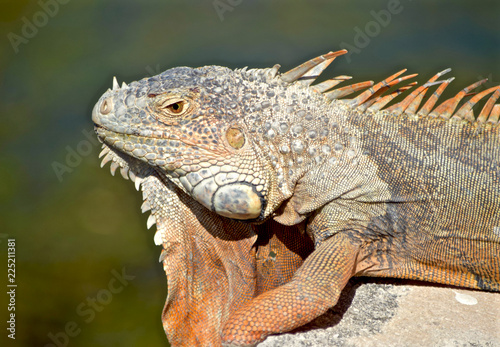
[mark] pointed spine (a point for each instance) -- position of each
(163, 255)
(113, 168)
(137, 183)
(132, 175)
(373, 90)
(151, 221)
(106, 159)
(380, 102)
(104, 151)
(329, 84)
(124, 172)
(494, 115)
(385, 87)
(411, 103)
(145, 206)
(344, 91)
(465, 112)
(488, 107)
(158, 239)
(446, 109)
(274, 70)
(426, 109)
(116, 86)
(301, 70)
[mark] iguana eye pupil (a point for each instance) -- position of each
(176, 107)
(173, 107)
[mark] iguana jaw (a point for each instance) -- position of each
(219, 188)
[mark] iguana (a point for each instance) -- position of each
(269, 192)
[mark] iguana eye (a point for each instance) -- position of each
(175, 107)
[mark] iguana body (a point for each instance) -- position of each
(248, 173)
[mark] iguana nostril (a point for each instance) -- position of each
(106, 106)
(235, 138)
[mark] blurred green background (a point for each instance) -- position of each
(75, 228)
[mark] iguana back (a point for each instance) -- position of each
(432, 210)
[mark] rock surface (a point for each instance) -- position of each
(393, 313)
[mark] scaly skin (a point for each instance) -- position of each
(211, 263)
(248, 173)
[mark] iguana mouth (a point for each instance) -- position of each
(160, 152)
(136, 134)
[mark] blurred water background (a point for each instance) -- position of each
(77, 227)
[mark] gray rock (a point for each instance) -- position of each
(387, 313)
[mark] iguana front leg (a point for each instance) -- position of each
(312, 291)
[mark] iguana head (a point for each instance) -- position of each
(188, 123)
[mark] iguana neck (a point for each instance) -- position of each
(300, 140)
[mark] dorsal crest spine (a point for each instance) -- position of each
(376, 97)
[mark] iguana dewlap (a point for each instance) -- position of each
(269, 192)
